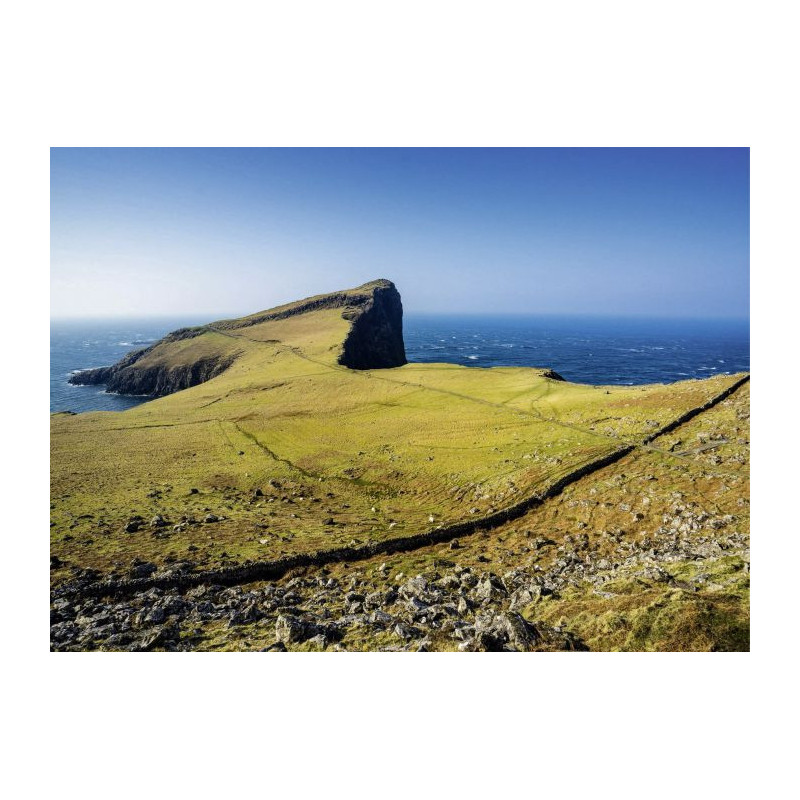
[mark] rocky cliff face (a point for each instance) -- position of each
(128, 376)
(374, 341)
(152, 381)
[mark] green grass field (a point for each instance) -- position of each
(337, 455)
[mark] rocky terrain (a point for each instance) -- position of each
(448, 606)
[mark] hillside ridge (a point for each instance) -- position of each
(374, 341)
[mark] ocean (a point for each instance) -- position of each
(81, 344)
(596, 350)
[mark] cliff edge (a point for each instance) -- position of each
(374, 340)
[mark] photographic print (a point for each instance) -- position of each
(399, 399)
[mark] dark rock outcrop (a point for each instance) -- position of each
(375, 340)
(127, 376)
(152, 381)
(553, 375)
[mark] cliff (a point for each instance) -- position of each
(152, 381)
(374, 340)
(131, 375)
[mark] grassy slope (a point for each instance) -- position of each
(335, 443)
(649, 516)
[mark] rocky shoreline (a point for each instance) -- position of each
(152, 381)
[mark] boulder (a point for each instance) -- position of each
(494, 633)
(292, 629)
(142, 569)
(407, 631)
(489, 588)
(162, 637)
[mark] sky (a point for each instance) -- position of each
(660, 232)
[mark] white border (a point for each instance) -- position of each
(438, 73)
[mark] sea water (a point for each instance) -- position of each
(76, 345)
(596, 350)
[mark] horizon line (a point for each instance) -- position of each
(212, 316)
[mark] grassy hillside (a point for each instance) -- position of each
(288, 452)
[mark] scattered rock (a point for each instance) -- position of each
(294, 630)
(319, 641)
(407, 631)
(156, 615)
(163, 637)
(489, 588)
(250, 613)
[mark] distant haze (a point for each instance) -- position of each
(217, 232)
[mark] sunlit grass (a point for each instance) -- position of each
(379, 453)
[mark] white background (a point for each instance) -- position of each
(398, 74)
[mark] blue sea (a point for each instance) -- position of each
(597, 350)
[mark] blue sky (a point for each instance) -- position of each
(215, 232)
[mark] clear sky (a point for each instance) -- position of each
(217, 232)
